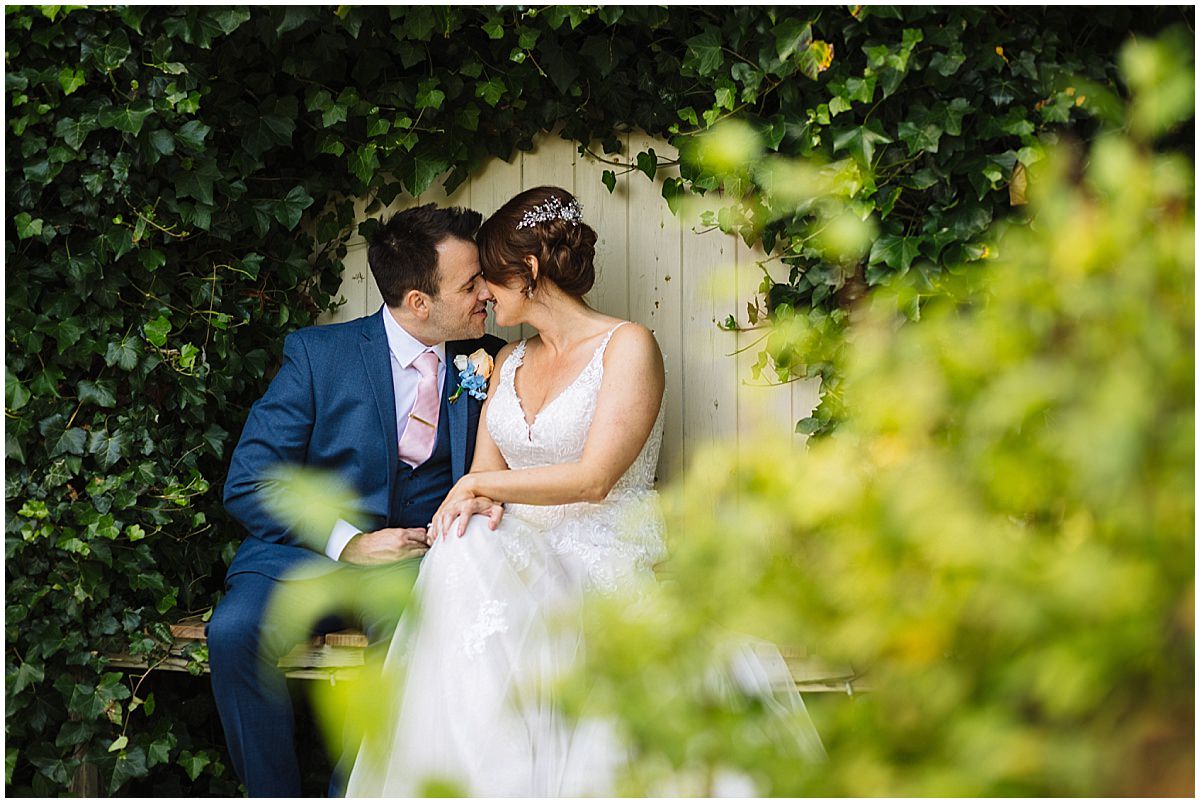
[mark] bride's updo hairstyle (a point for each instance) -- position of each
(546, 223)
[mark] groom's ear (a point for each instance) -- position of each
(417, 303)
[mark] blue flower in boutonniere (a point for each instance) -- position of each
(473, 374)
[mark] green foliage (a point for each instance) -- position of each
(927, 117)
(181, 187)
(1000, 536)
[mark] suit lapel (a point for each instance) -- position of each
(377, 361)
(458, 411)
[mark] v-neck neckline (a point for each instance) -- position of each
(529, 425)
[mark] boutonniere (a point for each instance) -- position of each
(473, 374)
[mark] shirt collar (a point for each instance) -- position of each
(404, 347)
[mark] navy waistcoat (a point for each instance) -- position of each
(418, 492)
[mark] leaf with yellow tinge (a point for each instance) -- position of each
(815, 59)
(1017, 185)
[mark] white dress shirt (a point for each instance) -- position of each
(404, 350)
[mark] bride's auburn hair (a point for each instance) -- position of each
(542, 222)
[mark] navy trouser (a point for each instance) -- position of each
(245, 643)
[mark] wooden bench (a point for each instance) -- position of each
(339, 656)
(332, 657)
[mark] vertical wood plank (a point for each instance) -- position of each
(710, 395)
(491, 186)
(764, 409)
(550, 163)
(710, 376)
(355, 279)
(608, 215)
(357, 283)
(805, 397)
(655, 297)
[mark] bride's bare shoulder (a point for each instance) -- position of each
(634, 343)
(632, 332)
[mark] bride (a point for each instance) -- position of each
(570, 441)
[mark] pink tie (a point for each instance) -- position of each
(416, 444)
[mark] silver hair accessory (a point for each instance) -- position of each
(552, 209)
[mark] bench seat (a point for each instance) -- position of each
(338, 656)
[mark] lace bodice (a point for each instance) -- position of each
(560, 430)
(627, 520)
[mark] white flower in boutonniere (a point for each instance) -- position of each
(473, 374)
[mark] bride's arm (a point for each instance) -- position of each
(626, 409)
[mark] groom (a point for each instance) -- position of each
(369, 400)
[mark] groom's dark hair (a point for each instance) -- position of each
(403, 252)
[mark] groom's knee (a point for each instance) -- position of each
(239, 639)
(233, 636)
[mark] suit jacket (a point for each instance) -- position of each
(332, 406)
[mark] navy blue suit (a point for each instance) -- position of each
(332, 407)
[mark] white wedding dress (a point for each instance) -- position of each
(496, 619)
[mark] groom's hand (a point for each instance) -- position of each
(385, 546)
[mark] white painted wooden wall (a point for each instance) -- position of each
(667, 273)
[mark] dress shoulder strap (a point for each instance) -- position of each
(514, 361)
(607, 337)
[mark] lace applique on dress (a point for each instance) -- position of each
(489, 622)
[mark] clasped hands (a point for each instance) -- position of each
(393, 544)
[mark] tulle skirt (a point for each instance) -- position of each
(496, 624)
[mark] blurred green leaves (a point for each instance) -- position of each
(308, 501)
(1000, 534)
(727, 148)
(1164, 95)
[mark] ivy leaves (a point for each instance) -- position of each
(101, 392)
(925, 119)
(192, 134)
(70, 79)
(126, 118)
(918, 156)
(271, 124)
(704, 52)
(718, 52)
(895, 251)
(138, 236)
(198, 182)
(27, 225)
(860, 142)
(289, 209)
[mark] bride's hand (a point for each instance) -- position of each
(456, 515)
(460, 505)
